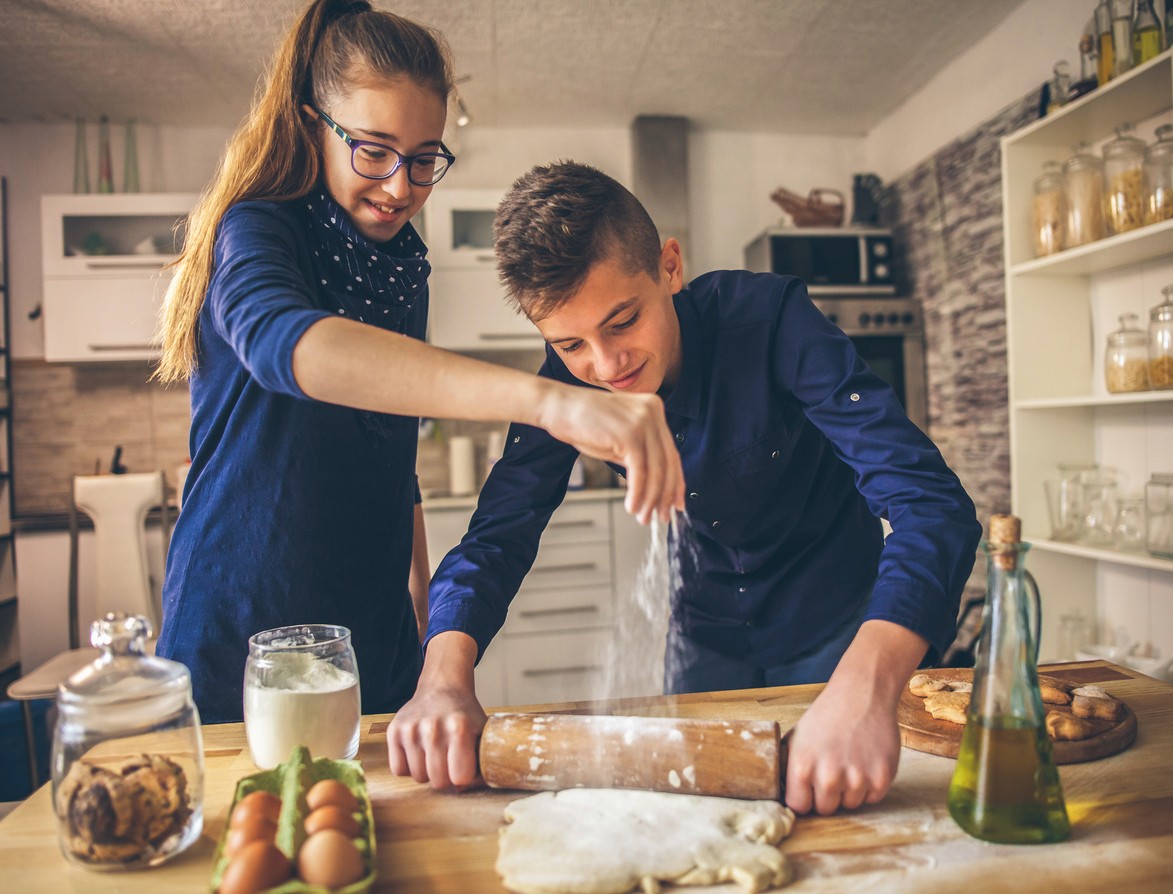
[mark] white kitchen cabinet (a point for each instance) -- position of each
(1059, 311)
(557, 638)
(468, 309)
(104, 278)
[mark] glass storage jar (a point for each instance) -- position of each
(1158, 504)
(1161, 342)
(128, 758)
(1125, 190)
(1047, 213)
(1083, 192)
(1126, 363)
(1159, 174)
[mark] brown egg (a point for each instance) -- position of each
(330, 859)
(331, 791)
(258, 866)
(331, 816)
(256, 803)
(253, 827)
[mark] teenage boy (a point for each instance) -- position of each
(792, 450)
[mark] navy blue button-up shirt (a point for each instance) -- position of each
(792, 451)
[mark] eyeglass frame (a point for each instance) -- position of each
(401, 160)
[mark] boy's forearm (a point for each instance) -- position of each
(880, 660)
(449, 661)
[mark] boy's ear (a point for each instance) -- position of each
(672, 264)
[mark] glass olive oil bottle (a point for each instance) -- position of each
(1006, 786)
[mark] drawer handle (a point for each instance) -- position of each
(508, 336)
(579, 566)
(142, 346)
(547, 612)
(555, 671)
(153, 262)
(575, 523)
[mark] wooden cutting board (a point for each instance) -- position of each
(920, 731)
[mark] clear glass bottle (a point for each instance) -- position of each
(1159, 175)
(1148, 38)
(1121, 36)
(1125, 185)
(1083, 193)
(1161, 342)
(1048, 216)
(1126, 363)
(1106, 63)
(1130, 524)
(1006, 787)
(128, 758)
(1087, 68)
(1060, 86)
(1099, 508)
(1158, 501)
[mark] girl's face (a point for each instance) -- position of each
(397, 113)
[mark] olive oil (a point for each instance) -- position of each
(1006, 787)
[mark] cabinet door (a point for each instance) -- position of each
(468, 312)
(556, 667)
(569, 608)
(105, 317)
(578, 523)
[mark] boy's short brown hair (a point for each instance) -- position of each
(559, 220)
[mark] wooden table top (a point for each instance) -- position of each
(1121, 809)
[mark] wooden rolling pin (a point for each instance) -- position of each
(729, 759)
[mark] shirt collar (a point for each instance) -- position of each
(685, 399)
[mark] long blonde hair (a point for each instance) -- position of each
(334, 45)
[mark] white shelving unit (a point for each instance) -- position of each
(1059, 311)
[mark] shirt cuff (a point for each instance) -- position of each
(925, 611)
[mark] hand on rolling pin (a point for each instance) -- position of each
(433, 738)
(845, 749)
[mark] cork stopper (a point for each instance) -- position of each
(1005, 535)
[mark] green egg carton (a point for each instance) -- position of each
(290, 781)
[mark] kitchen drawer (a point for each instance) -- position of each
(578, 523)
(553, 667)
(105, 317)
(570, 565)
(468, 311)
(571, 608)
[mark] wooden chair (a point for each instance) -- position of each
(118, 506)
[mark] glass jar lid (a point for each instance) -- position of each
(1164, 144)
(1050, 178)
(1082, 158)
(1128, 334)
(1163, 312)
(125, 689)
(1124, 144)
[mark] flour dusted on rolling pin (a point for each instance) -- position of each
(305, 700)
(732, 759)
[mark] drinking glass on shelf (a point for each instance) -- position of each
(1130, 524)
(1099, 511)
(1064, 505)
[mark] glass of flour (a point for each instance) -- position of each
(301, 688)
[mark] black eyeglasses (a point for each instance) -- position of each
(378, 162)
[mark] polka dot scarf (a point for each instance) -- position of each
(375, 284)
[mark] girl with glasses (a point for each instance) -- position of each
(298, 313)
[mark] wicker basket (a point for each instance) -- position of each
(812, 211)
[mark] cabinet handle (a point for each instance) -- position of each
(556, 671)
(143, 346)
(486, 257)
(508, 336)
(575, 523)
(154, 263)
(548, 612)
(578, 566)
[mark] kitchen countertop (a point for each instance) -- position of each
(1121, 809)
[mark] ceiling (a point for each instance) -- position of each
(794, 66)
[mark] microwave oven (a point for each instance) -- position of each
(830, 260)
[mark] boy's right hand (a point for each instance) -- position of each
(434, 738)
(627, 429)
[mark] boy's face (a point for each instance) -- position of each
(620, 331)
(400, 114)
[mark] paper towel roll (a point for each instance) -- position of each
(461, 466)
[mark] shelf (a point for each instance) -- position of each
(1112, 253)
(1094, 400)
(1134, 560)
(1134, 96)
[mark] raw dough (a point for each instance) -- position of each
(609, 841)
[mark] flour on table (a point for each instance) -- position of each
(610, 841)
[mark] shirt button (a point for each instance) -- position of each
(854, 396)
(749, 623)
(775, 454)
(716, 524)
(517, 439)
(693, 495)
(680, 437)
(742, 589)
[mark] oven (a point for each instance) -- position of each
(888, 333)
